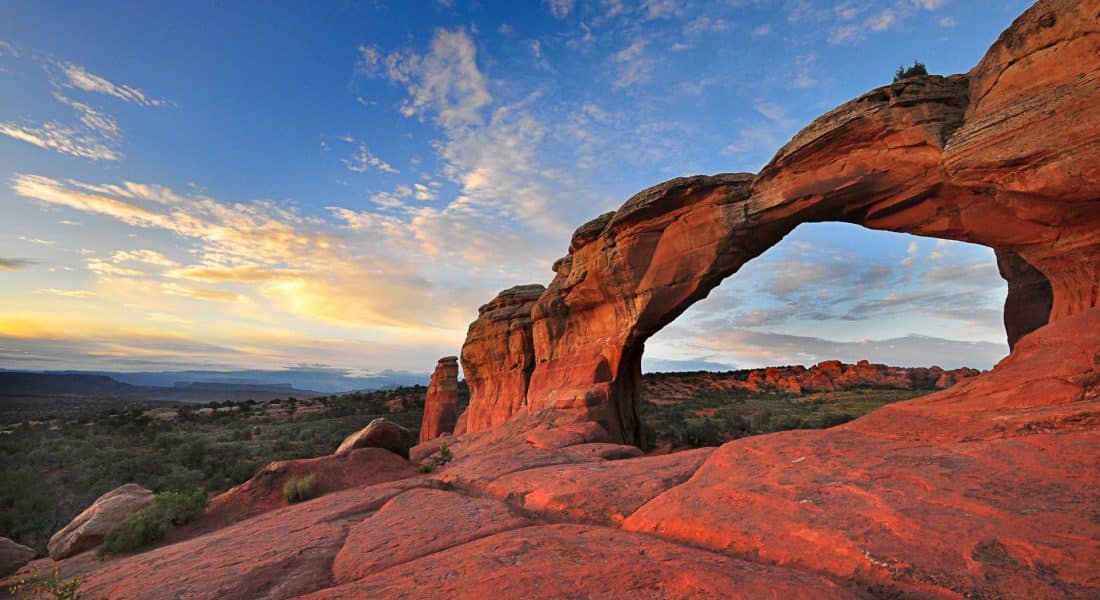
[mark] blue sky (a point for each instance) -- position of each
(208, 186)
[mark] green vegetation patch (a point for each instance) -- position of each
(298, 489)
(148, 525)
(713, 417)
(53, 586)
(916, 70)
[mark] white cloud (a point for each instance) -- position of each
(633, 65)
(947, 22)
(364, 160)
(560, 8)
(423, 192)
(52, 135)
(79, 77)
(705, 24)
(149, 257)
(104, 125)
(446, 82)
(67, 293)
(9, 49)
(660, 9)
(883, 21)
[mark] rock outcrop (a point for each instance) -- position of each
(379, 433)
(264, 491)
(1006, 156)
(498, 357)
(984, 490)
(441, 401)
(13, 555)
(87, 530)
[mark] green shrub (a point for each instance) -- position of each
(425, 468)
(443, 455)
(297, 489)
(148, 525)
(918, 69)
(54, 586)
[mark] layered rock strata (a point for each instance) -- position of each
(441, 400)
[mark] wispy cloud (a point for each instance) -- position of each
(364, 160)
(52, 135)
(632, 64)
(854, 20)
(560, 8)
(78, 77)
(67, 293)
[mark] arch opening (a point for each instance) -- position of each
(836, 291)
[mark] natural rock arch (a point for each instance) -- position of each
(966, 157)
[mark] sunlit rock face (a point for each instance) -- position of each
(1007, 155)
(498, 357)
(440, 403)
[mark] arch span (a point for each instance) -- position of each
(968, 157)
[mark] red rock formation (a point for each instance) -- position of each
(441, 401)
(88, 529)
(598, 491)
(497, 358)
(583, 561)
(384, 540)
(379, 433)
(1006, 156)
(828, 376)
(264, 491)
(986, 489)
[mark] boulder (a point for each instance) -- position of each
(441, 401)
(13, 555)
(88, 529)
(264, 491)
(379, 433)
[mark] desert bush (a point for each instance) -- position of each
(918, 69)
(148, 525)
(52, 587)
(443, 455)
(297, 489)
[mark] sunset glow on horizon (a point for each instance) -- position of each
(343, 186)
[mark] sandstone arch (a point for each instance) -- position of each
(967, 157)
